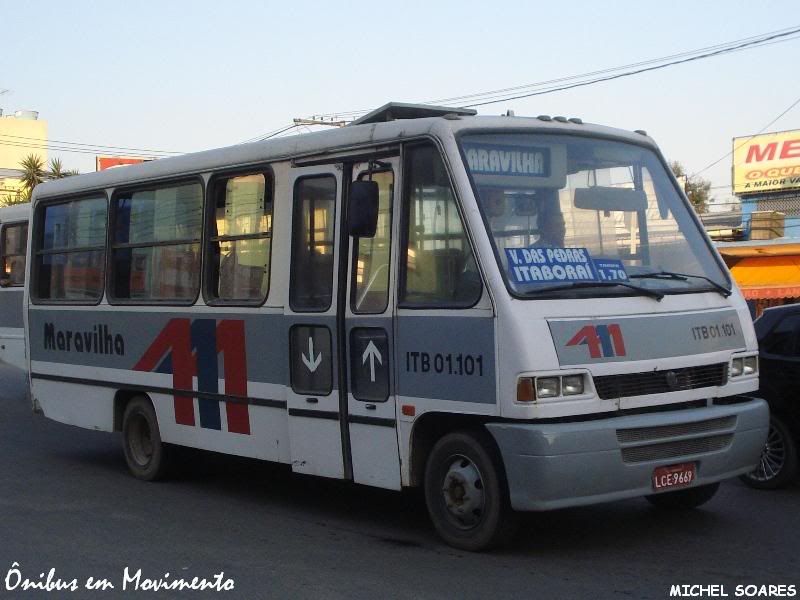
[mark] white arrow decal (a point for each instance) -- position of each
(311, 361)
(371, 353)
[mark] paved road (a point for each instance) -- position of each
(66, 501)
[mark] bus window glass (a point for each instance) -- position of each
(71, 253)
(541, 195)
(241, 239)
(311, 287)
(156, 252)
(14, 247)
(439, 266)
(371, 269)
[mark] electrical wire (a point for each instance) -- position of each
(98, 146)
(493, 96)
(760, 131)
(55, 148)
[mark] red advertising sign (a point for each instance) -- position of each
(109, 162)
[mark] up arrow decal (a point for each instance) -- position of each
(311, 361)
(372, 353)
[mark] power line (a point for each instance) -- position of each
(731, 46)
(56, 148)
(760, 131)
(98, 146)
(493, 96)
(269, 134)
(743, 45)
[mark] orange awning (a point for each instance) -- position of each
(768, 277)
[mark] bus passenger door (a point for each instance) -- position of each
(369, 329)
(315, 421)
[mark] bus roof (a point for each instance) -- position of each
(319, 144)
(15, 212)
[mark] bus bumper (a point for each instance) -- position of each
(557, 465)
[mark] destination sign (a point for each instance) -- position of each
(547, 265)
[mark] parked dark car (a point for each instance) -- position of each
(778, 333)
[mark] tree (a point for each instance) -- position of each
(57, 170)
(697, 189)
(33, 174)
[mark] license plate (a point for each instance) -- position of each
(674, 476)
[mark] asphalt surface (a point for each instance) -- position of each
(68, 503)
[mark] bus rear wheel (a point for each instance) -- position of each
(466, 492)
(141, 440)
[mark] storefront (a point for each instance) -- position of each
(766, 271)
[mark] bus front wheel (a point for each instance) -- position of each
(466, 492)
(141, 440)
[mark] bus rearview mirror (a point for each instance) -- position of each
(610, 198)
(363, 209)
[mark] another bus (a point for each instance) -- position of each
(13, 249)
(517, 314)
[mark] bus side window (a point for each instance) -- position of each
(439, 268)
(241, 238)
(311, 287)
(13, 248)
(71, 250)
(156, 247)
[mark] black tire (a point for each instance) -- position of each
(684, 499)
(145, 454)
(466, 492)
(779, 462)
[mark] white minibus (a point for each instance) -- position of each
(517, 314)
(13, 246)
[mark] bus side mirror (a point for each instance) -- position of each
(363, 209)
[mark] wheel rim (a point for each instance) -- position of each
(140, 440)
(463, 492)
(773, 456)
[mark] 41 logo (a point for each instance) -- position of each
(187, 349)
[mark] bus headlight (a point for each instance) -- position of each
(572, 385)
(742, 366)
(548, 387)
(737, 364)
(531, 389)
(750, 365)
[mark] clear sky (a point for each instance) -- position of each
(188, 76)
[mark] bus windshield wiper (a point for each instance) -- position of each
(682, 277)
(590, 284)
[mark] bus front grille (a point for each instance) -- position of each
(660, 382)
(661, 432)
(676, 449)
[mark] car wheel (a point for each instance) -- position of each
(778, 464)
(466, 492)
(145, 453)
(684, 499)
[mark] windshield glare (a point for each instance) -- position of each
(564, 209)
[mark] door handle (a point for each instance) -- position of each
(312, 400)
(370, 406)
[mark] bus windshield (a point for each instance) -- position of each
(583, 216)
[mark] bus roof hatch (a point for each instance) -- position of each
(401, 110)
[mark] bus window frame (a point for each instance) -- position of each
(405, 210)
(209, 211)
(111, 224)
(3, 228)
(296, 215)
(36, 233)
(599, 293)
(354, 244)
